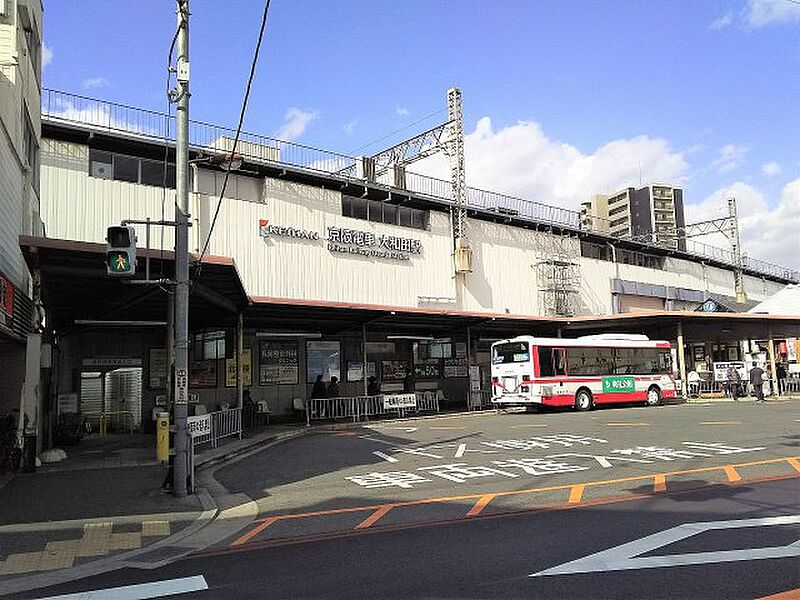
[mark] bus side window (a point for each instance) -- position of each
(545, 362)
(560, 361)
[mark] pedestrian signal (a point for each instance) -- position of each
(121, 251)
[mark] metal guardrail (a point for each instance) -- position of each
(224, 423)
(362, 407)
(63, 107)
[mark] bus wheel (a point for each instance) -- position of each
(583, 400)
(653, 396)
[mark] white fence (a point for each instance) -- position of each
(363, 407)
(224, 423)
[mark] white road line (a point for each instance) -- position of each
(141, 591)
(627, 556)
(385, 457)
(460, 451)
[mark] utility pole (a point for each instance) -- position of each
(181, 395)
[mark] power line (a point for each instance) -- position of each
(235, 139)
(388, 135)
(166, 147)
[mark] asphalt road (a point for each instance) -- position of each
(494, 557)
(519, 461)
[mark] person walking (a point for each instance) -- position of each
(780, 373)
(734, 381)
(757, 382)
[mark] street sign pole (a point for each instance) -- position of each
(181, 395)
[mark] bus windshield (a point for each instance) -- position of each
(512, 352)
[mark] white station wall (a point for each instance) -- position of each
(76, 206)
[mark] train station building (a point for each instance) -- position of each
(316, 268)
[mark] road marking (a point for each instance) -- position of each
(576, 493)
(627, 556)
(795, 463)
(448, 427)
(621, 424)
(254, 532)
(787, 595)
(720, 422)
(659, 483)
(385, 457)
(528, 425)
(655, 477)
(155, 589)
(375, 517)
(481, 503)
(460, 450)
(732, 474)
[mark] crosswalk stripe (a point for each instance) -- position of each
(141, 591)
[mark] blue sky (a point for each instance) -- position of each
(561, 97)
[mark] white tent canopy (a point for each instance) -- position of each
(785, 302)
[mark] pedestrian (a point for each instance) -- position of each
(408, 382)
(333, 388)
(693, 379)
(757, 382)
(734, 380)
(373, 389)
(249, 409)
(318, 391)
(780, 372)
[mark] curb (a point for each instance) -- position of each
(211, 461)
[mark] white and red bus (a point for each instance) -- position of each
(583, 372)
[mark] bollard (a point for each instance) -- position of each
(162, 437)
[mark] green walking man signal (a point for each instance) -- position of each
(121, 251)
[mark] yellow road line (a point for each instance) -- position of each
(787, 595)
(732, 474)
(375, 517)
(576, 493)
(478, 507)
(615, 424)
(481, 500)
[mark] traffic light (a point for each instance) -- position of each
(121, 251)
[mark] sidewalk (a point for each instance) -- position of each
(721, 398)
(103, 502)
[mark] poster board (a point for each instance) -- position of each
(203, 374)
(247, 369)
(157, 369)
(278, 363)
(394, 370)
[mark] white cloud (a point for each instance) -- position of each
(729, 157)
(759, 13)
(94, 82)
(768, 234)
(723, 21)
(771, 169)
(402, 111)
(295, 123)
(521, 160)
(47, 55)
(349, 127)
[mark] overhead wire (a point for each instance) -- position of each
(235, 141)
(166, 145)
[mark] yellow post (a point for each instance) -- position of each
(162, 437)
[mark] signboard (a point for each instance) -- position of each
(380, 348)
(619, 384)
(394, 401)
(181, 386)
(393, 370)
(6, 300)
(247, 370)
(198, 425)
(455, 367)
(355, 370)
(366, 243)
(791, 349)
(278, 362)
(158, 368)
(112, 362)
(461, 350)
(721, 370)
(203, 373)
(265, 230)
(427, 369)
(67, 403)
